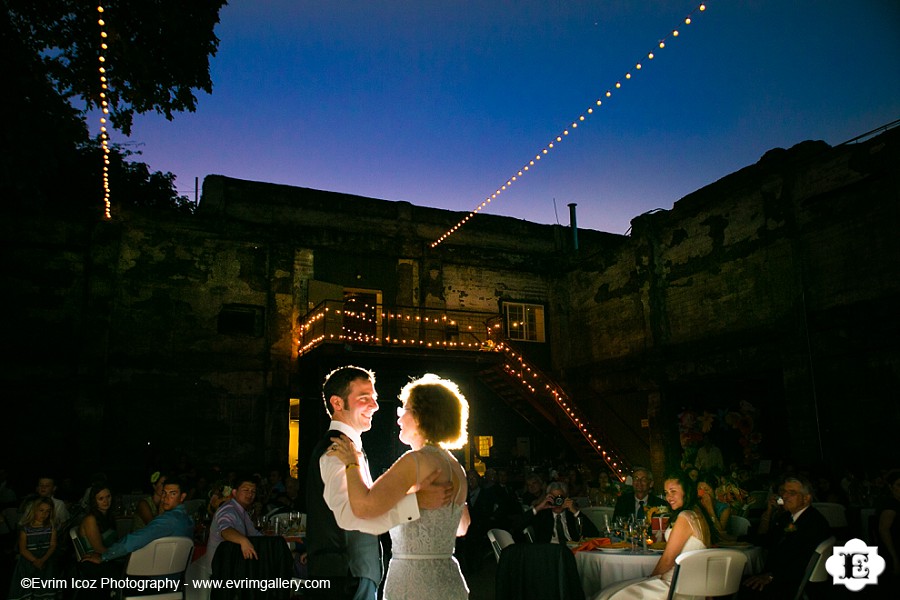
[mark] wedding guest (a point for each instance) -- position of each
(97, 533)
(232, 521)
(149, 506)
(37, 543)
(790, 537)
(716, 512)
(557, 519)
(633, 503)
(46, 488)
(98, 527)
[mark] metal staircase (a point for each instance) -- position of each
(531, 392)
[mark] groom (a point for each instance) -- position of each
(342, 547)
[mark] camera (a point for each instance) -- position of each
(558, 501)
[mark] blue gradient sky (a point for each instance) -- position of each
(439, 103)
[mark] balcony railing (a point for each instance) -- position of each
(355, 322)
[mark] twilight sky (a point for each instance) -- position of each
(440, 103)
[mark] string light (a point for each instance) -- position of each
(544, 151)
(104, 104)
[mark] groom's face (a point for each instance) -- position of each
(357, 410)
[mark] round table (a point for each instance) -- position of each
(600, 568)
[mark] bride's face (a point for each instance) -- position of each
(408, 426)
(674, 494)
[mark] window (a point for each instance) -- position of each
(241, 319)
(524, 321)
(485, 442)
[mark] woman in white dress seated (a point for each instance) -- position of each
(432, 418)
(688, 530)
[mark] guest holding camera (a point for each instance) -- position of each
(557, 519)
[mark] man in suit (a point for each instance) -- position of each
(557, 519)
(790, 537)
(633, 504)
(342, 547)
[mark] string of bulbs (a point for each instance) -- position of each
(562, 135)
(104, 105)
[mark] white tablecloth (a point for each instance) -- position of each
(599, 568)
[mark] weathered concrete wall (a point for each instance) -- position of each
(743, 279)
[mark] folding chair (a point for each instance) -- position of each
(163, 558)
(711, 572)
(815, 571)
(500, 539)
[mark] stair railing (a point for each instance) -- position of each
(532, 379)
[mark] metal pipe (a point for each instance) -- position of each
(573, 223)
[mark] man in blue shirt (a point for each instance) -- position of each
(175, 521)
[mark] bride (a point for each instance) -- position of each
(432, 418)
(690, 532)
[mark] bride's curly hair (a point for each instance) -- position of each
(439, 408)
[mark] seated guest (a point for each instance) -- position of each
(46, 487)
(715, 511)
(634, 503)
(174, 521)
(790, 537)
(562, 523)
(97, 531)
(289, 500)
(149, 506)
(690, 531)
(232, 522)
(534, 491)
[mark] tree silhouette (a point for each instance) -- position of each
(157, 57)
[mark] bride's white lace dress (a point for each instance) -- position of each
(422, 562)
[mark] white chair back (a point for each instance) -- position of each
(529, 533)
(163, 557)
(815, 571)
(834, 513)
(738, 525)
(76, 543)
(500, 539)
(712, 572)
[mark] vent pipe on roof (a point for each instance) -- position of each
(573, 223)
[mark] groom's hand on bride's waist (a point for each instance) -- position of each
(433, 495)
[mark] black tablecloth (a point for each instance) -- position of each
(275, 563)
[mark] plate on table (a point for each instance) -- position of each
(612, 550)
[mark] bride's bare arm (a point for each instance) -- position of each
(387, 490)
(681, 532)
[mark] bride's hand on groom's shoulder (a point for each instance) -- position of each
(433, 495)
(343, 448)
